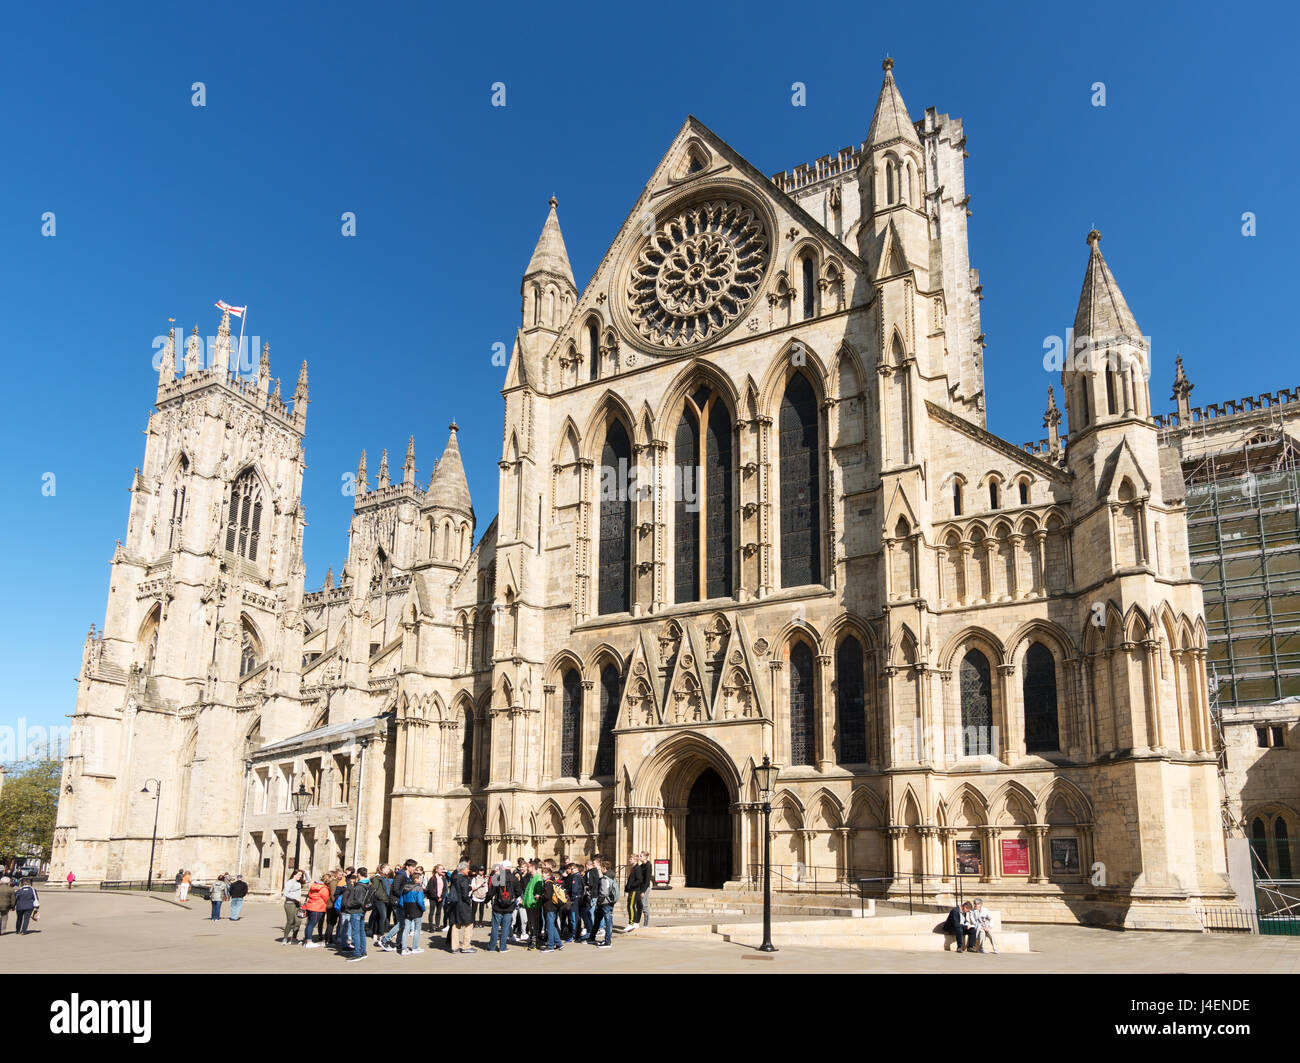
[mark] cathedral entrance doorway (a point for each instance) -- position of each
(708, 832)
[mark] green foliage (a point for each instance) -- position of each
(28, 805)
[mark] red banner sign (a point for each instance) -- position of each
(1015, 856)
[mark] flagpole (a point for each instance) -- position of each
(242, 318)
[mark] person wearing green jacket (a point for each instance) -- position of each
(533, 904)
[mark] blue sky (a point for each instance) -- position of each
(161, 208)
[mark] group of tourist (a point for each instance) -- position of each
(540, 904)
(972, 925)
(23, 900)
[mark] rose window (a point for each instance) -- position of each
(697, 274)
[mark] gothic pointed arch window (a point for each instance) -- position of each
(1282, 840)
(809, 281)
(800, 485)
(1259, 846)
(178, 504)
(467, 746)
(702, 509)
(613, 578)
(570, 724)
(1110, 388)
(611, 684)
(1042, 734)
(593, 347)
(850, 702)
(244, 516)
(250, 650)
(976, 704)
(803, 705)
(148, 640)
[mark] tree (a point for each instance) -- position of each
(28, 805)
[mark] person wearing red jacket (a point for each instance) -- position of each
(316, 904)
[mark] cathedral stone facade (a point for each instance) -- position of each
(748, 505)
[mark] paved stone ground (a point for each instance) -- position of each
(107, 933)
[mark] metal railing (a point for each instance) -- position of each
(1225, 919)
(142, 885)
(863, 883)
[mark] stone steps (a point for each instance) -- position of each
(914, 933)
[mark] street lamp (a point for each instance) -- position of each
(157, 803)
(301, 799)
(765, 774)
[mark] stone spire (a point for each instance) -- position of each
(383, 470)
(221, 361)
(275, 393)
(449, 488)
(408, 466)
(1183, 393)
(1103, 314)
(300, 392)
(193, 352)
(1052, 422)
(550, 256)
(329, 578)
(167, 367)
(891, 123)
(264, 369)
(361, 475)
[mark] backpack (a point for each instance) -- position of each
(338, 900)
(558, 895)
(504, 895)
(608, 891)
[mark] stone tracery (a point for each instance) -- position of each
(698, 273)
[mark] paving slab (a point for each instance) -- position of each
(108, 933)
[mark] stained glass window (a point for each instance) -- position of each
(803, 705)
(850, 707)
(976, 705)
(613, 577)
(610, 688)
(1041, 727)
(800, 485)
(570, 725)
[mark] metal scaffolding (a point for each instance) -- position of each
(1243, 532)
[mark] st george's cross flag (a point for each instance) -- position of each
(238, 311)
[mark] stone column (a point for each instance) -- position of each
(896, 835)
(1017, 552)
(947, 835)
(846, 852)
(992, 854)
(546, 765)
(941, 556)
(1012, 744)
(825, 715)
(590, 716)
(967, 597)
(780, 722)
(1038, 868)
(1040, 544)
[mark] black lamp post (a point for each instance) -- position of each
(765, 774)
(153, 842)
(301, 799)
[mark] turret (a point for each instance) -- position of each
(264, 369)
(383, 471)
(549, 294)
(893, 236)
(361, 475)
(300, 399)
(1105, 377)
